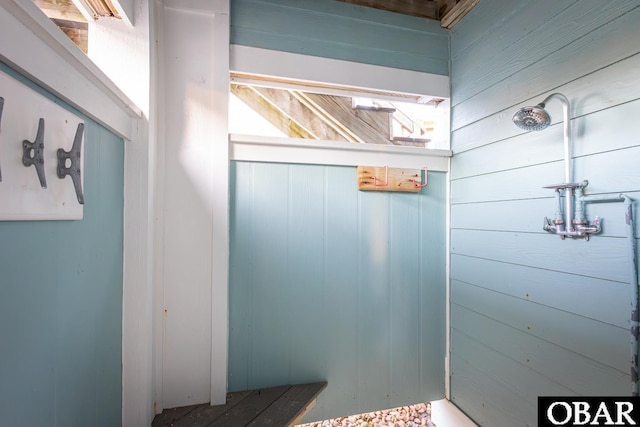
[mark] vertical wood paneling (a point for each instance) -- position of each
(374, 314)
(339, 30)
(531, 314)
(305, 277)
(271, 332)
(328, 283)
(341, 293)
(404, 306)
(241, 267)
(432, 257)
(61, 303)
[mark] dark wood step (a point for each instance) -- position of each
(274, 406)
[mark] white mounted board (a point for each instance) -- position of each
(21, 194)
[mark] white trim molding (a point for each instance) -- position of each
(318, 70)
(292, 150)
(47, 57)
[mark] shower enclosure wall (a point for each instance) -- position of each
(575, 225)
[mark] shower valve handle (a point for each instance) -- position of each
(547, 225)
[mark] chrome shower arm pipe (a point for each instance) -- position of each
(568, 193)
(567, 132)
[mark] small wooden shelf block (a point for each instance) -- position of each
(374, 178)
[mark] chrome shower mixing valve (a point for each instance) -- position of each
(578, 226)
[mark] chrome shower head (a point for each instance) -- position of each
(532, 118)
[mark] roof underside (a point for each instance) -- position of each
(448, 12)
(74, 23)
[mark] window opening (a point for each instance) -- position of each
(68, 18)
(263, 108)
(72, 21)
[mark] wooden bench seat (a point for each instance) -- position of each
(275, 406)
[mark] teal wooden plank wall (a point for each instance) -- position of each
(530, 314)
(329, 283)
(337, 30)
(60, 304)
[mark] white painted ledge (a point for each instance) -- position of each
(336, 153)
(446, 414)
(32, 45)
(326, 71)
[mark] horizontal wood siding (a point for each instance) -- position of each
(329, 283)
(337, 30)
(532, 314)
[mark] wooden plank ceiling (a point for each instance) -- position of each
(448, 12)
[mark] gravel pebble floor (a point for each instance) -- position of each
(405, 416)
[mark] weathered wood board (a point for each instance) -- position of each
(278, 406)
(382, 178)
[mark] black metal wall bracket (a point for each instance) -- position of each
(1, 108)
(73, 169)
(33, 153)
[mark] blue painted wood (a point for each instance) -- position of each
(622, 88)
(512, 184)
(481, 21)
(548, 30)
(604, 343)
(240, 271)
(591, 134)
(405, 308)
(480, 397)
(306, 269)
(603, 258)
(341, 293)
(607, 42)
(601, 171)
(341, 31)
(374, 314)
(328, 283)
(582, 375)
(604, 301)
(486, 216)
(541, 307)
(60, 303)
(269, 264)
(506, 392)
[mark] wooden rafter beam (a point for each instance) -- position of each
(448, 12)
(68, 18)
(368, 126)
(104, 8)
(289, 103)
(310, 115)
(78, 32)
(270, 112)
(452, 16)
(421, 8)
(60, 9)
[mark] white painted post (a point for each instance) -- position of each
(220, 273)
(194, 78)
